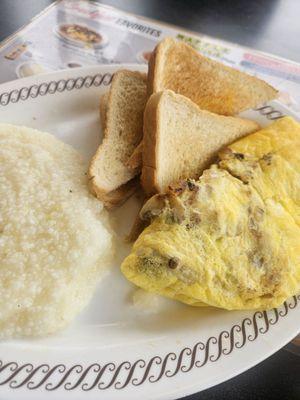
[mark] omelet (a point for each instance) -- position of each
(231, 239)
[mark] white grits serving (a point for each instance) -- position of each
(55, 239)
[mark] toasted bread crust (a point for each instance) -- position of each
(210, 84)
(115, 197)
(103, 104)
(152, 71)
(136, 159)
(151, 117)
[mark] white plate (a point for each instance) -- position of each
(113, 350)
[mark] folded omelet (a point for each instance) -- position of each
(231, 239)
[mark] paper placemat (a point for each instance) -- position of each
(73, 33)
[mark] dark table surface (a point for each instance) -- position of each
(268, 25)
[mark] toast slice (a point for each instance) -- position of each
(213, 86)
(103, 110)
(181, 140)
(118, 196)
(135, 161)
(121, 194)
(108, 173)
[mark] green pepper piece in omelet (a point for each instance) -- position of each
(231, 239)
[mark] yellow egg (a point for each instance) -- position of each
(231, 239)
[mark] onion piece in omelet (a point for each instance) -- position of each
(231, 239)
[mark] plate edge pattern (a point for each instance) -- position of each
(120, 375)
(54, 86)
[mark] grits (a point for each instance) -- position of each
(55, 240)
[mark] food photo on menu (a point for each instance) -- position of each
(149, 207)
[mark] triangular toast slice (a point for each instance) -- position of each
(181, 140)
(212, 85)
